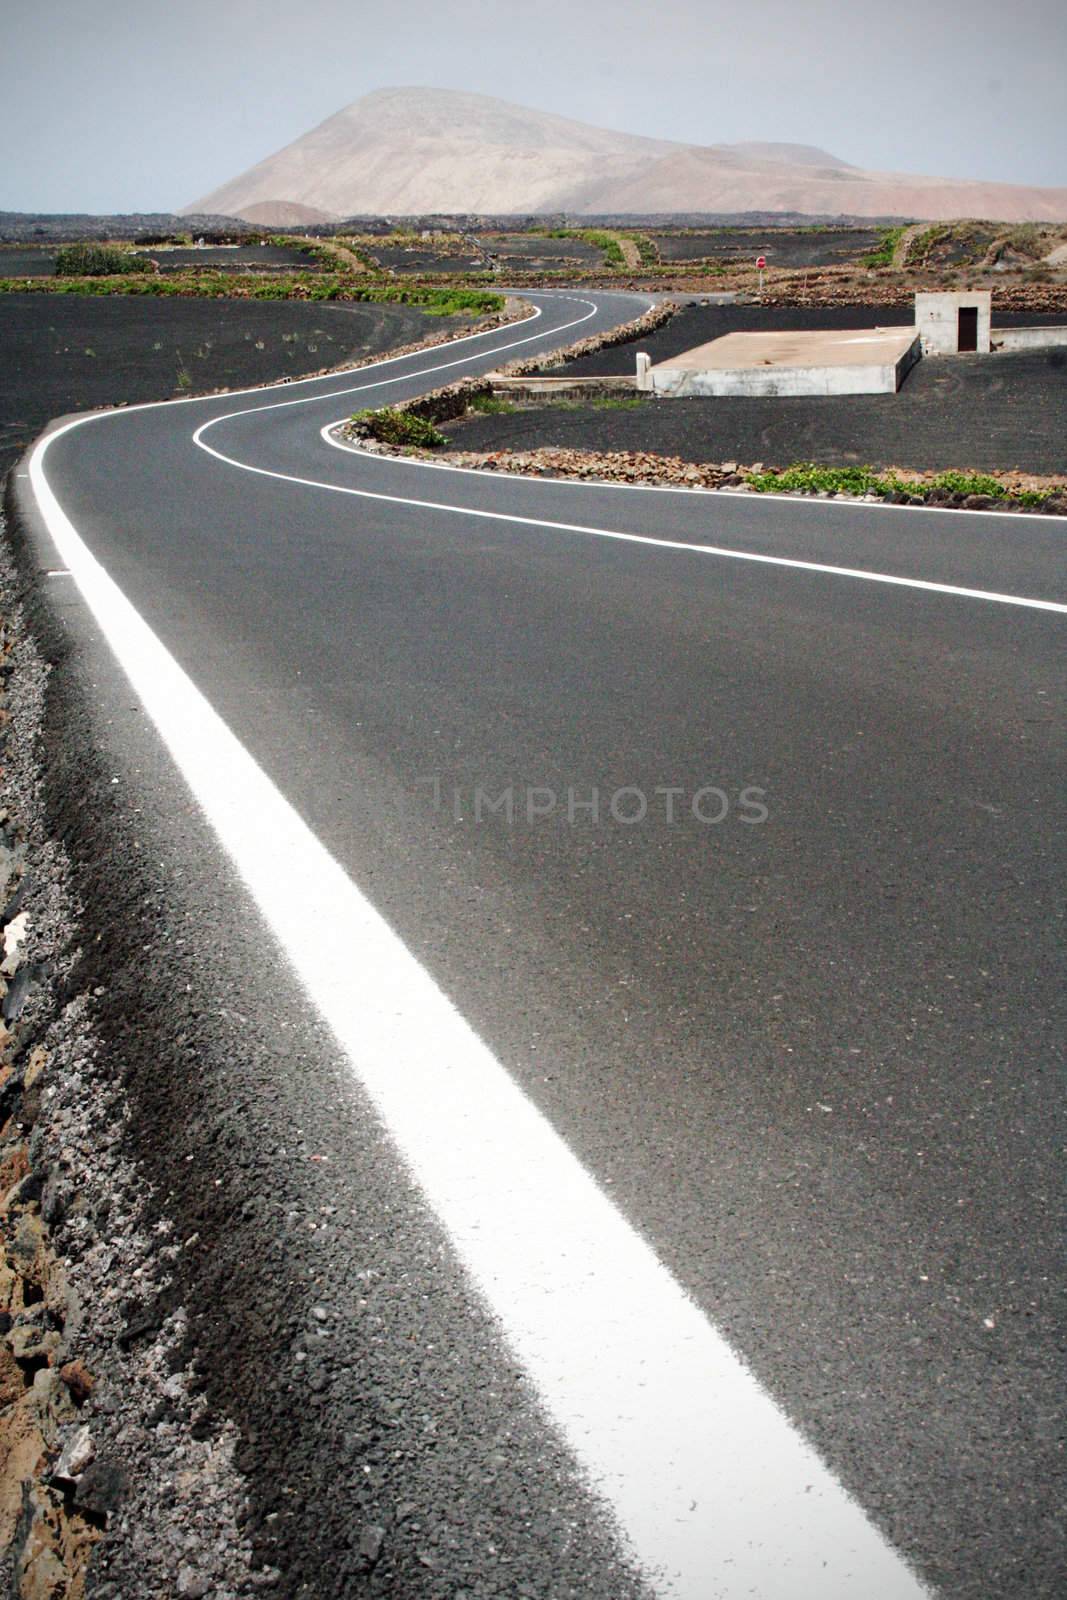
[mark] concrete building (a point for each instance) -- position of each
(953, 324)
(838, 361)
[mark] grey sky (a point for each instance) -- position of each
(120, 106)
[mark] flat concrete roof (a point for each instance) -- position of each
(840, 347)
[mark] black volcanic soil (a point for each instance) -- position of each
(980, 412)
(400, 260)
(697, 324)
(537, 247)
(825, 248)
(27, 263)
(67, 353)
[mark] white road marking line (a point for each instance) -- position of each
(385, 361)
(405, 377)
(844, 503)
(714, 1491)
(720, 552)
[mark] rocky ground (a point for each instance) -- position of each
(674, 472)
(106, 1456)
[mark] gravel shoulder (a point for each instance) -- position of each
(985, 413)
(113, 1480)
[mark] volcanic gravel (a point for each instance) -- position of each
(980, 412)
(66, 353)
(28, 263)
(832, 247)
(538, 247)
(958, 247)
(426, 261)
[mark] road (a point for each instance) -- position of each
(649, 906)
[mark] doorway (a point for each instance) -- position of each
(967, 329)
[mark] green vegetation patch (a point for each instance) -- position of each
(605, 242)
(882, 254)
(435, 302)
(318, 250)
(99, 261)
(391, 426)
(805, 477)
(1026, 240)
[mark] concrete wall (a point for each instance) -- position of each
(779, 380)
(547, 389)
(1028, 338)
(937, 320)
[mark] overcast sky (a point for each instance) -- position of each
(111, 105)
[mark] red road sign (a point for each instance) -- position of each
(761, 262)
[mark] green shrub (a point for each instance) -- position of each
(391, 426)
(613, 256)
(98, 261)
(320, 250)
(969, 483)
(1026, 240)
(435, 302)
(882, 254)
(606, 242)
(140, 278)
(924, 242)
(804, 477)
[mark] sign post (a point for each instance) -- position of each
(761, 262)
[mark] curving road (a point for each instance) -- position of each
(649, 904)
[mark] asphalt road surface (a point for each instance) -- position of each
(740, 863)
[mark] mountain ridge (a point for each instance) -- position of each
(409, 151)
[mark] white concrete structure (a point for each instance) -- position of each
(952, 324)
(1028, 338)
(844, 361)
